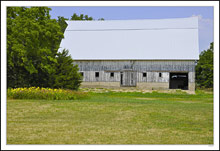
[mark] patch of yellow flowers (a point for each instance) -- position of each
(45, 93)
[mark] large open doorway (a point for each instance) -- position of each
(179, 81)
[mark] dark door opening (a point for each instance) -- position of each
(121, 78)
(179, 81)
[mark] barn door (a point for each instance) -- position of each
(128, 78)
(179, 81)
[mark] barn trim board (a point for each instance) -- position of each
(143, 54)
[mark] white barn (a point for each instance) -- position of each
(147, 54)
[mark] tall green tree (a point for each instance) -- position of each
(204, 68)
(67, 75)
(32, 44)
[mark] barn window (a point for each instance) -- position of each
(81, 73)
(96, 74)
(112, 74)
(160, 74)
(144, 74)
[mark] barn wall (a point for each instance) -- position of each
(153, 77)
(89, 76)
(192, 86)
(192, 77)
(152, 68)
(140, 65)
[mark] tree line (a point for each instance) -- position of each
(33, 39)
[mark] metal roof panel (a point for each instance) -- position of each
(151, 39)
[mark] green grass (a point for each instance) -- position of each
(113, 118)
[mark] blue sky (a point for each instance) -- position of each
(114, 13)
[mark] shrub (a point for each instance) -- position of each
(45, 94)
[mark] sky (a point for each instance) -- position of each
(157, 12)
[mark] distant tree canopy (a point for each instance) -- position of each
(83, 17)
(204, 68)
(80, 17)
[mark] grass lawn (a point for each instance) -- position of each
(113, 118)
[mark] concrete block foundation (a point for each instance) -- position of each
(153, 85)
(140, 85)
(100, 85)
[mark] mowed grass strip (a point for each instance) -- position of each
(113, 118)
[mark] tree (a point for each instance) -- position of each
(67, 75)
(33, 39)
(204, 68)
(62, 22)
(32, 44)
(80, 17)
(101, 19)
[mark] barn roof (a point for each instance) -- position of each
(148, 39)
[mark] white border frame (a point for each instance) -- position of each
(4, 4)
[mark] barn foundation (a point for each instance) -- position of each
(140, 86)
